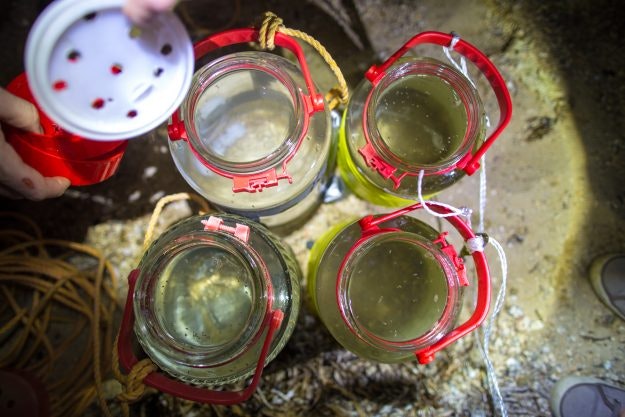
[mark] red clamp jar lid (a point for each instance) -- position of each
(464, 160)
(415, 115)
(247, 99)
(388, 287)
(213, 300)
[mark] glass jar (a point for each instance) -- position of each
(388, 287)
(413, 115)
(253, 136)
(214, 299)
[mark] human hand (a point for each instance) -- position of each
(18, 180)
(141, 11)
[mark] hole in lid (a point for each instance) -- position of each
(131, 114)
(59, 85)
(158, 72)
(116, 69)
(98, 103)
(73, 55)
(90, 16)
(134, 32)
(109, 99)
(166, 49)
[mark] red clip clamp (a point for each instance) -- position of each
(240, 231)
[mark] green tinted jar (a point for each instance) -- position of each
(420, 115)
(204, 296)
(387, 294)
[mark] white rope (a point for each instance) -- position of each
(462, 67)
(480, 228)
(463, 211)
(476, 244)
(493, 384)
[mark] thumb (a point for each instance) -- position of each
(18, 112)
(55, 186)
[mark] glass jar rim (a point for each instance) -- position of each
(460, 84)
(160, 338)
(345, 306)
(224, 66)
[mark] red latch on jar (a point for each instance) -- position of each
(453, 255)
(240, 231)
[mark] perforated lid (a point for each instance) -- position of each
(98, 76)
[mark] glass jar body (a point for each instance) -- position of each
(378, 301)
(246, 115)
(420, 115)
(202, 299)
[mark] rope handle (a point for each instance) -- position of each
(273, 24)
(158, 209)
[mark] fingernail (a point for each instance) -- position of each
(64, 182)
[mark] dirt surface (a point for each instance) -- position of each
(555, 201)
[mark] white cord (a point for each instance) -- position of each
(462, 67)
(463, 211)
(480, 228)
(493, 384)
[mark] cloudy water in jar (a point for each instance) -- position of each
(204, 297)
(421, 119)
(244, 116)
(398, 290)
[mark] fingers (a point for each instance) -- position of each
(18, 112)
(141, 11)
(21, 180)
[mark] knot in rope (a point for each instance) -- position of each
(266, 38)
(477, 243)
(134, 388)
(267, 33)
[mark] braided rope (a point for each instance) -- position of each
(267, 32)
(149, 234)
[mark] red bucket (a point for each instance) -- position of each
(60, 153)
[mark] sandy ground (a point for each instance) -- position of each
(555, 201)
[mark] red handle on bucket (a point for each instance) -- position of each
(313, 102)
(370, 227)
(273, 319)
(474, 55)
